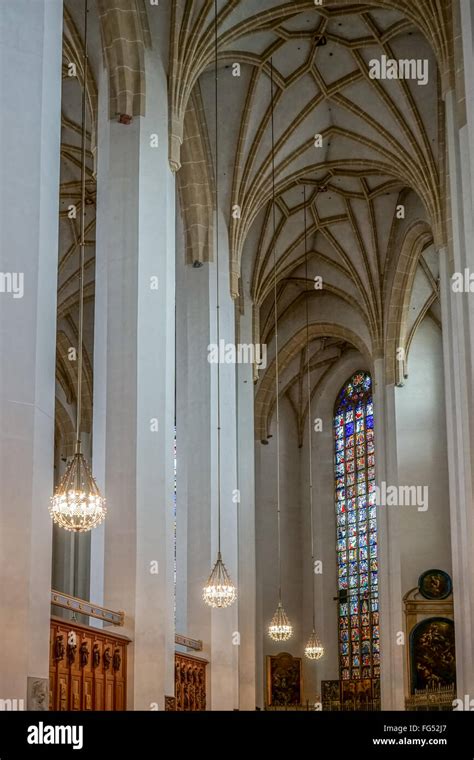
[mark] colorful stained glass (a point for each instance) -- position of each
(357, 529)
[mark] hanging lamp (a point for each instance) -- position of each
(280, 628)
(219, 591)
(77, 504)
(313, 650)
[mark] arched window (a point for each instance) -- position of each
(358, 604)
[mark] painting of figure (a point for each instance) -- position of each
(283, 680)
(433, 658)
(435, 584)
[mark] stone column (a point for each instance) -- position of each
(458, 407)
(99, 446)
(135, 364)
(467, 35)
(30, 93)
(246, 521)
(197, 469)
(392, 652)
(194, 438)
(458, 341)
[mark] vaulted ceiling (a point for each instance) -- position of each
(373, 181)
(381, 150)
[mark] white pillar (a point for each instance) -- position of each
(392, 653)
(458, 343)
(225, 652)
(197, 470)
(458, 408)
(194, 438)
(99, 446)
(246, 522)
(136, 297)
(467, 30)
(30, 94)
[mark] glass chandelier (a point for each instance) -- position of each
(77, 504)
(280, 628)
(219, 591)
(314, 650)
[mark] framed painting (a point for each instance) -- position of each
(435, 584)
(284, 680)
(356, 694)
(330, 693)
(432, 654)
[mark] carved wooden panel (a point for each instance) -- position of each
(87, 668)
(190, 683)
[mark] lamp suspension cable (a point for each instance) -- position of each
(277, 360)
(77, 504)
(82, 244)
(218, 327)
(314, 649)
(280, 628)
(220, 591)
(308, 385)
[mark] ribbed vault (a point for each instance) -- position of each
(369, 153)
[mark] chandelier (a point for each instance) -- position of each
(280, 629)
(314, 650)
(77, 504)
(219, 592)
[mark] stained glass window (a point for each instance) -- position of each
(356, 525)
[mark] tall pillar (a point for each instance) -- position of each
(99, 406)
(196, 438)
(30, 93)
(467, 34)
(246, 521)
(458, 344)
(460, 477)
(135, 363)
(224, 623)
(392, 651)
